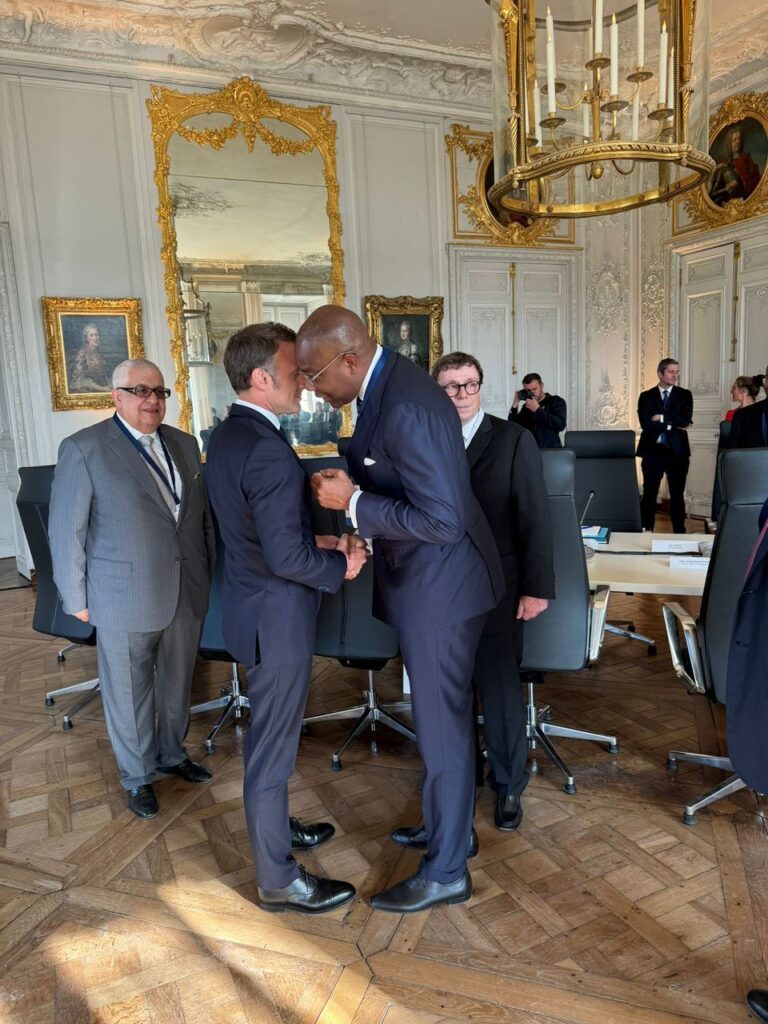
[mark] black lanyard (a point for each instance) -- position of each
(171, 487)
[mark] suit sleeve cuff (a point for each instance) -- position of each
(353, 505)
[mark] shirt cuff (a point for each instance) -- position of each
(353, 505)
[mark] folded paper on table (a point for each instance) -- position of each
(692, 562)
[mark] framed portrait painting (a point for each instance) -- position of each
(406, 325)
(85, 340)
(738, 144)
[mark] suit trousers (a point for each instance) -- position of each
(278, 697)
(439, 665)
(660, 460)
(497, 678)
(146, 680)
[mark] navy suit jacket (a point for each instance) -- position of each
(747, 679)
(749, 427)
(435, 559)
(678, 414)
(273, 572)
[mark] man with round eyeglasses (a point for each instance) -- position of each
(132, 545)
(507, 480)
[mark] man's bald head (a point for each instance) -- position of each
(334, 347)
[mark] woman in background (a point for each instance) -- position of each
(745, 390)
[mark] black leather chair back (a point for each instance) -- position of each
(605, 464)
(722, 445)
(33, 502)
(212, 646)
(558, 639)
(346, 628)
(744, 479)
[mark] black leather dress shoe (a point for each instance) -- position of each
(309, 837)
(415, 837)
(757, 1001)
(143, 802)
(509, 813)
(190, 771)
(418, 893)
(307, 894)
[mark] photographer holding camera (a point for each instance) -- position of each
(544, 415)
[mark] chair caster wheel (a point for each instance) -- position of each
(210, 747)
(570, 788)
(631, 627)
(671, 764)
(533, 767)
(651, 650)
(66, 725)
(336, 765)
(613, 748)
(49, 702)
(305, 730)
(689, 819)
(60, 658)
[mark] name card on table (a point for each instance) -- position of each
(681, 562)
(661, 546)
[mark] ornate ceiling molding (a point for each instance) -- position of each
(276, 39)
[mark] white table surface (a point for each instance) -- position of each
(644, 573)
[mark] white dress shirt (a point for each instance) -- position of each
(266, 413)
(470, 428)
(669, 395)
(356, 495)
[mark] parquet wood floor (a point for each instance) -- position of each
(602, 909)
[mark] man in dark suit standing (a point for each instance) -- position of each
(543, 414)
(275, 570)
(437, 570)
(749, 427)
(665, 413)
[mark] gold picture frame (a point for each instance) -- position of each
(745, 175)
(250, 110)
(406, 325)
(487, 229)
(85, 340)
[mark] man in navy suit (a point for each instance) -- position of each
(275, 570)
(665, 413)
(437, 569)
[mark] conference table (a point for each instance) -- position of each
(627, 565)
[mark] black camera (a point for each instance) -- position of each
(525, 394)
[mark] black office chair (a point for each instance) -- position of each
(347, 631)
(568, 635)
(607, 494)
(700, 657)
(33, 502)
(722, 445)
(232, 701)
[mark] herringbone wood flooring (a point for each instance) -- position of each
(602, 908)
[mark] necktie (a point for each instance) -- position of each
(664, 400)
(151, 446)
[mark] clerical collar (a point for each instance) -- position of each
(266, 413)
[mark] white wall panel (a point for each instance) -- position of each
(396, 177)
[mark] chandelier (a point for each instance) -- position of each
(599, 105)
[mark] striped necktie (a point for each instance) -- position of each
(149, 443)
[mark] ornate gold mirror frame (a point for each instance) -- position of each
(249, 106)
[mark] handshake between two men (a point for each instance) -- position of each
(332, 489)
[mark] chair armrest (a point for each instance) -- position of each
(674, 614)
(597, 617)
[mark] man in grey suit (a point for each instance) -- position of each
(133, 546)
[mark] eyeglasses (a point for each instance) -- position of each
(142, 391)
(310, 378)
(453, 389)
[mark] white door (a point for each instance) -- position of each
(511, 311)
(723, 316)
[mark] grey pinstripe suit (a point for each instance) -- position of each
(144, 578)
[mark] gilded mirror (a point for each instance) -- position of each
(251, 232)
